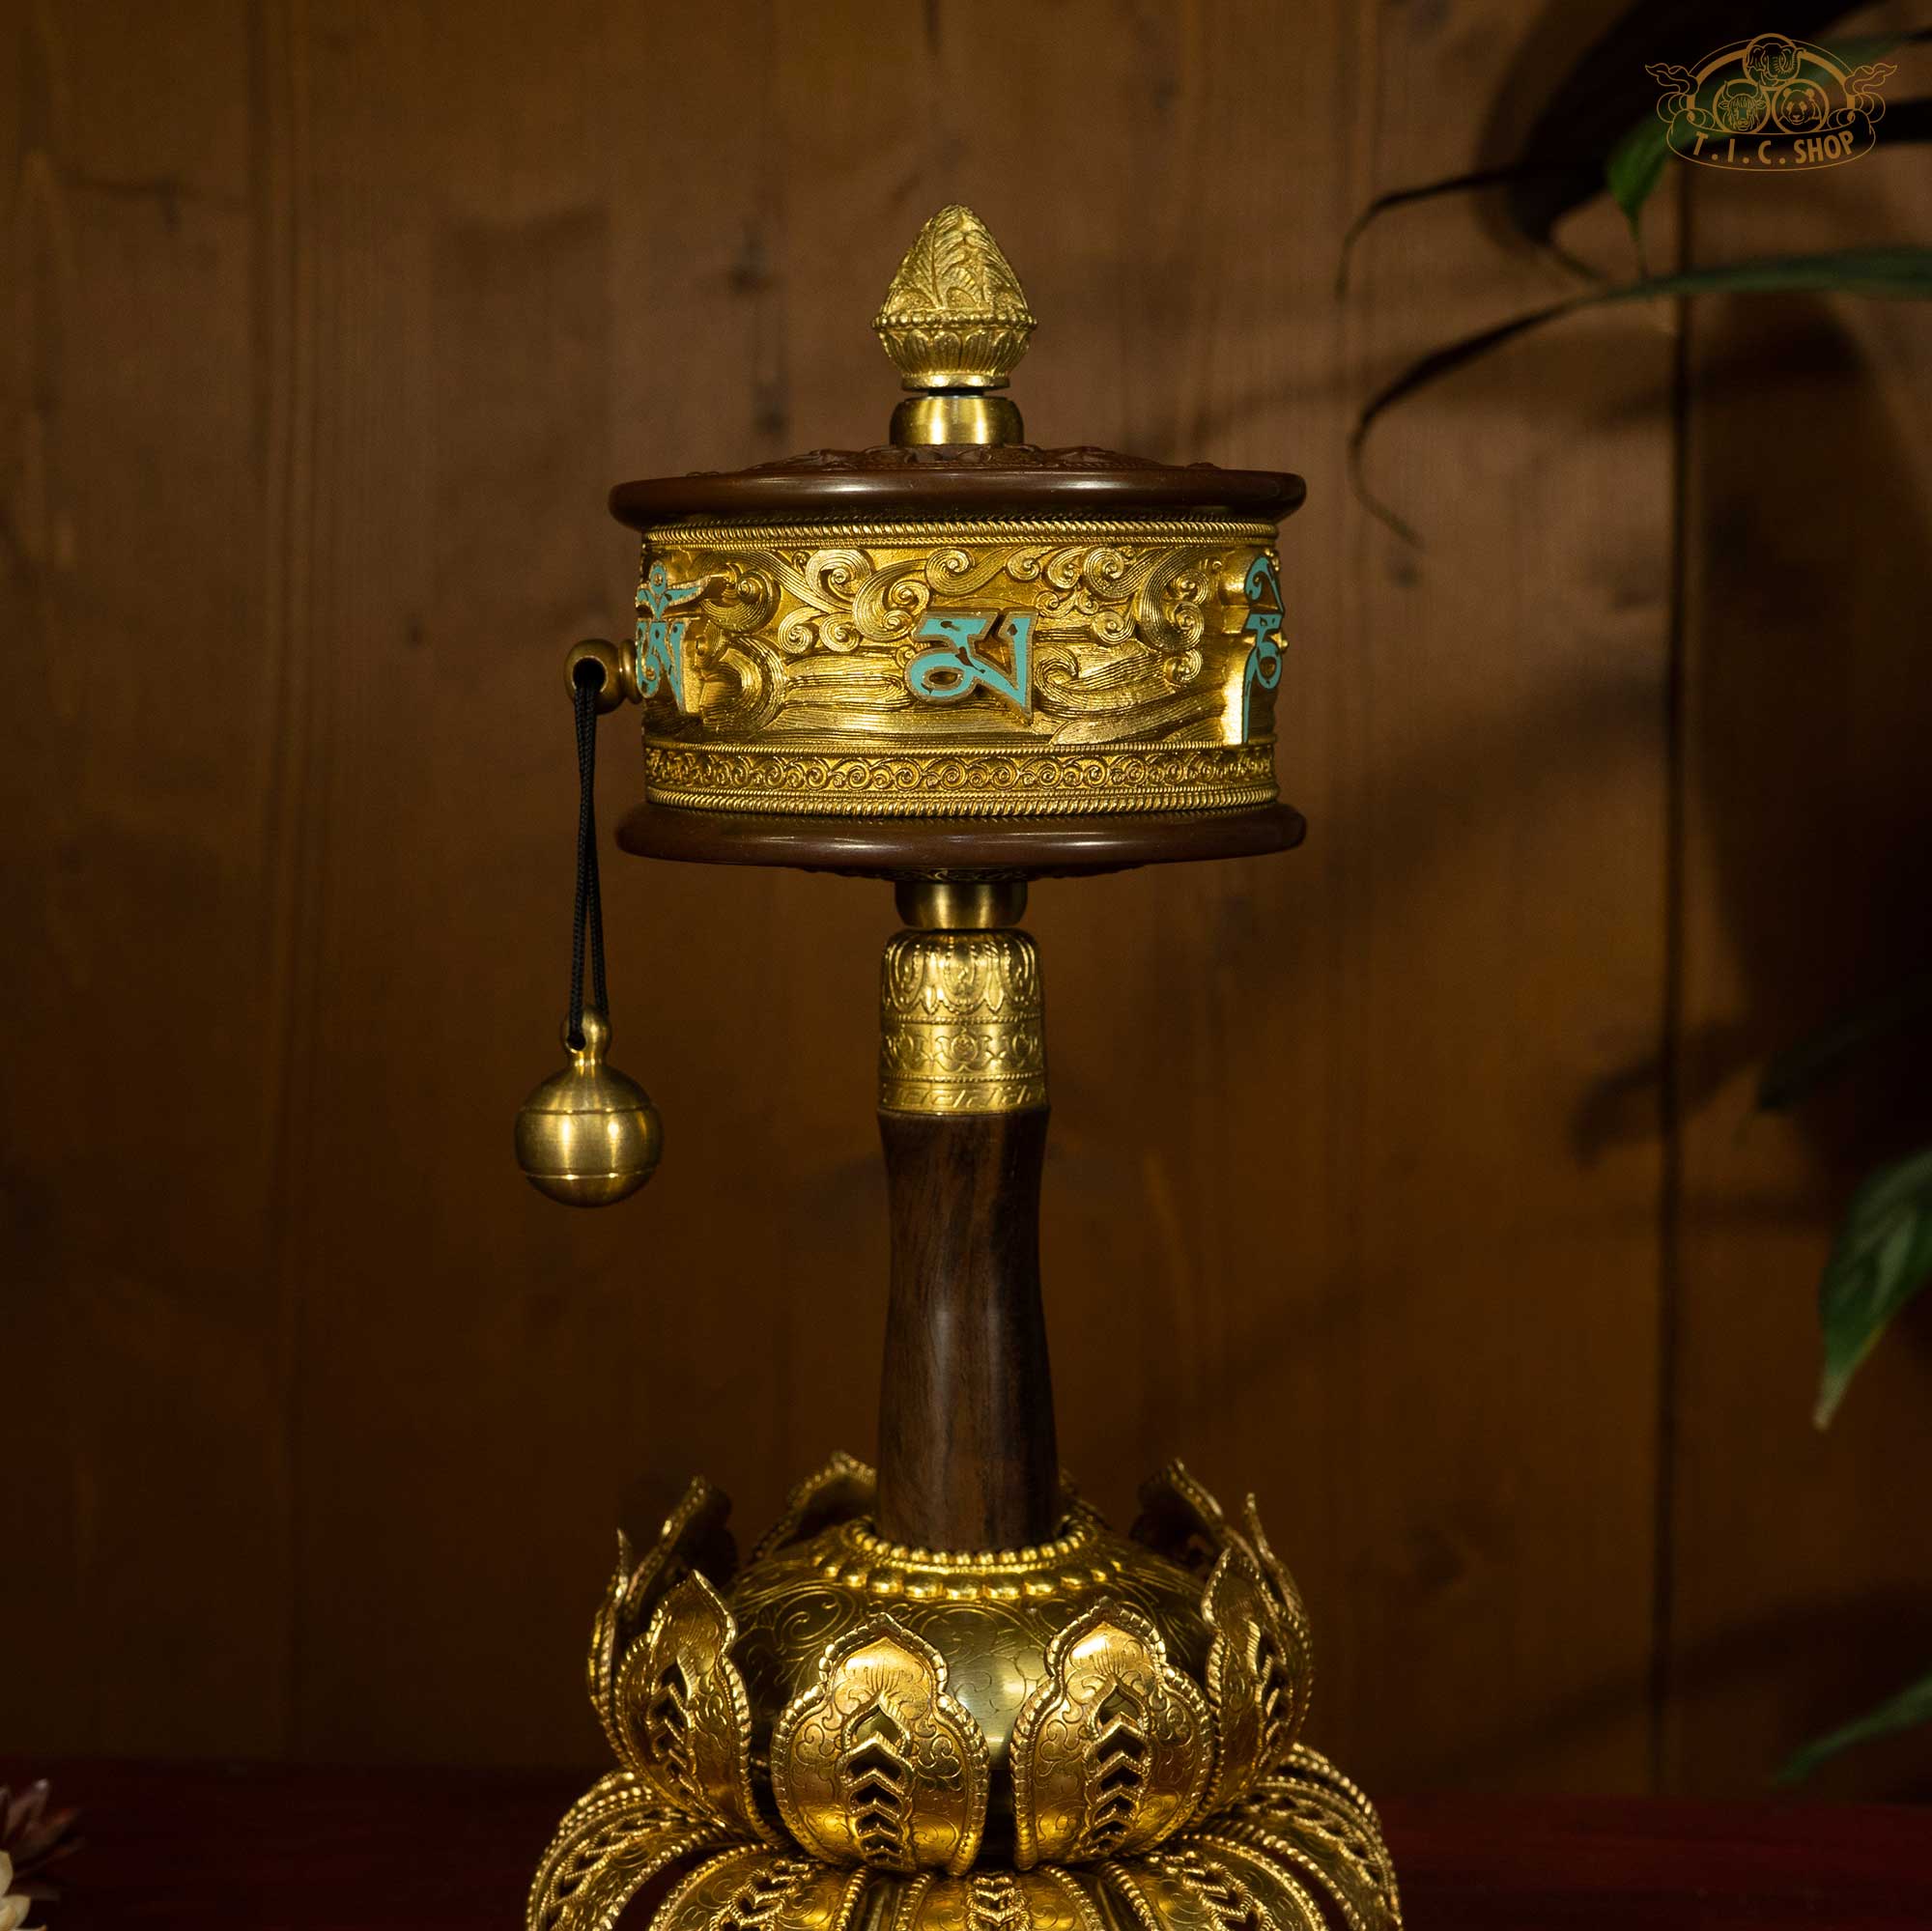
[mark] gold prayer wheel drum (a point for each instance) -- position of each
(958, 649)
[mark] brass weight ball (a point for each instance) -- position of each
(589, 1135)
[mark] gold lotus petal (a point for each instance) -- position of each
(1325, 1815)
(1180, 1520)
(752, 1889)
(841, 1490)
(1301, 1657)
(683, 1711)
(1256, 1676)
(1157, 1896)
(695, 1524)
(878, 1762)
(1274, 1868)
(983, 1900)
(1113, 1751)
(611, 1842)
(1056, 1902)
(1242, 1891)
(601, 1666)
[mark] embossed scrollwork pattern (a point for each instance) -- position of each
(961, 1024)
(936, 782)
(803, 667)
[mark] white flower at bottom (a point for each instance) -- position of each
(12, 1910)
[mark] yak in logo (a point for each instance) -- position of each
(1768, 104)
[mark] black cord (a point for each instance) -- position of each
(588, 917)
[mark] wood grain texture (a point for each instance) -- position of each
(967, 1456)
(1398, 1179)
(1803, 1560)
(153, 788)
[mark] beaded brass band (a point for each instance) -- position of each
(962, 1025)
(1000, 669)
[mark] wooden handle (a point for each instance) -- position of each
(967, 1458)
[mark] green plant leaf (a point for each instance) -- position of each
(1902, 273)
(1911, 1707)
(1882, 1257)
(1634, 168)
(1801, 1070)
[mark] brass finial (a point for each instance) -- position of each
(955, 321)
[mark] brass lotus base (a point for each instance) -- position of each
(1304, 1854)
(1098, 1734)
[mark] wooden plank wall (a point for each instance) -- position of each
(1805, 815)
(1403, 1181)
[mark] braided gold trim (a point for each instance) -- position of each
(772, 536)
(919, 783)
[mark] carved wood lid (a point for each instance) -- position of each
(957, 479)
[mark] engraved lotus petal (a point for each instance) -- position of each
(838, 1492)
(1293, 1617)
(1112, 1751)
(751, 1889)
(1181, 1520)
(1252, 1682)
(694, 1531)
(612, 1841)
(683, 1708)
(878, 1763)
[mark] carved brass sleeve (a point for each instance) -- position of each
(962, 1023)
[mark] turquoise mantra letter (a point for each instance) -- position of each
(660, 645)
(956, 666)
(1263, 665)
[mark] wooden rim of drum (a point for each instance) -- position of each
(832, 495)
(927, 847)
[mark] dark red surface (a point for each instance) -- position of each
(960, 481)
(958, 847)
(275, 1849)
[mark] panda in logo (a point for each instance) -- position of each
(1800, 106)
